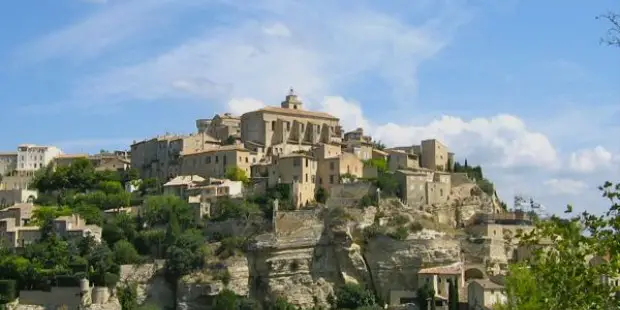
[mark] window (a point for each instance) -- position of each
(273, 125)
(331, 179)
(217, 159)
(296, 162)
(331, 166)
(208, 159)
(306, 177)
(295, 178)
(441, 192)
(247, 160)
(306, 162)
(288, 126)
(312, 179)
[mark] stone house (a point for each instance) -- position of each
(435, 155)
(424, 186)
(10, 197)
(15, 232)
(333, 163)
(178, 186)
(220, 126)
(484, 294)
(160, 157)
(299, 170)
(215, 162)
(8, 162)
(31, 157)
(437, 278)
(398, 159)
(289, 126)
(357, 143)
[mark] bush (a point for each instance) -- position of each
(223, 275)
(67, 281)
(366, 201)
(231, 246)
(415, 227)
(8, 291)
(110, 279)
(320, 195)
(373, 231)
(399, 220)
(400, 233)
(353, 296)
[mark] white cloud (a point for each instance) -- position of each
(277, 29)
(117, 23)
(329, 50)
(565, 186)
(590, 160)
(240, 106)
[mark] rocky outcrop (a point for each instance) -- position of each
(394, 264)
(151, 286)
(195, 291)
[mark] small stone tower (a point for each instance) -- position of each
(291, 101)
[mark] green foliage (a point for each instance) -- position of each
(150, 186)
(558, 274)
(400, 233)
(423, 294)
(231, 246)
(379, 163)
(128, 296)
(453, 295)
(486, 186)
(125, 253)
(321, 195)
(231, 140)
(388, 184)
(367, 201)
(237, 174)
(8, 291)
(226, 209)
(157, 209)
(353, 296)
(378, 145)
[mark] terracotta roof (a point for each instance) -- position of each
(455, 268)
(488, 284)
(296, 112)
(218, 149)
(185, 180)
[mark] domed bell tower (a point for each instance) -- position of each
(291, 101)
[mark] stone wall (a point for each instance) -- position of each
(297, 223)
(459, 178)
(58, 296)
(349, 194)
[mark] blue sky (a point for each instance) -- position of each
(522, 87)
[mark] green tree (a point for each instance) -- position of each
(559, 275)
(125, 253)
(453, 295)
(423, 295)
(150, 186)
(128, 296)
(231, 140)
(237, 174)
(353, 296)
(321, 195)
(157, 210)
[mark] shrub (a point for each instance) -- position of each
(399, 220)
(222, 275)
(353, 296)
(231, 246)
(366, 201)
(415, 227)
(400, 233)
(373, 231)
(8, 291)
(67, 281)
(110, 279)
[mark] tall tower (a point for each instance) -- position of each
(291, 101)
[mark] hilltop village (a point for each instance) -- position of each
(277, 206)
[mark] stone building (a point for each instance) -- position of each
(435, 155)
(10, 197)
(220, 126)
(400, 159)
(359, 144)
(423, 186)
(160, 157)
(215, 162)
(438, 277)
(101, 161)
(16, 233)
(333, 163)
(8, 163)
(288, 128)
(31, 157)
(485, 293)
